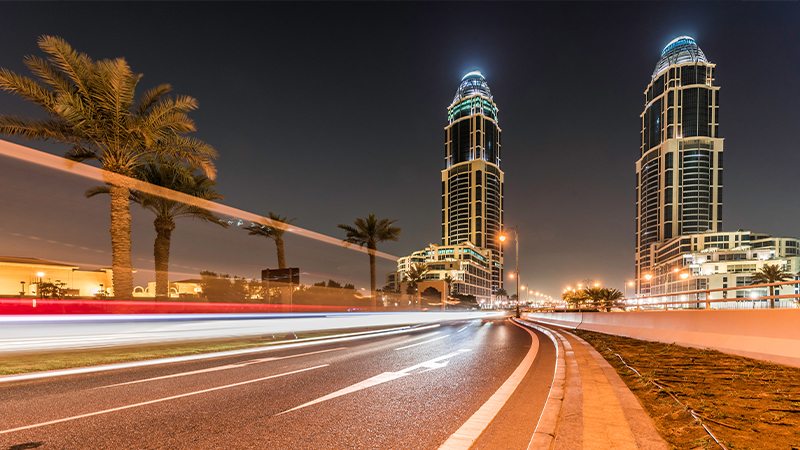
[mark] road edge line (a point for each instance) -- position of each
(471, 430)
(282, 345)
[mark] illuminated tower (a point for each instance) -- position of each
(472, 182)
(679, 171)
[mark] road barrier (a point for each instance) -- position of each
(766, 334)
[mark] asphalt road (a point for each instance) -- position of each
(401, 391)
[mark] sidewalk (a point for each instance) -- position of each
(590, 407)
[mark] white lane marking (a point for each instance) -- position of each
(423, 342)
(432, 364)
(462, 328)
(224, 367)
(158, 400)
(426, 335)
(465, 436)
(282, 345)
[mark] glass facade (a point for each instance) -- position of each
(679, 171)
(472, 182)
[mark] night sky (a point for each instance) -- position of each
(325, 112)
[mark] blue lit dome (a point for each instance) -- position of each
(682, 49)
(473, 83)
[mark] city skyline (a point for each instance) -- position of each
(553, 208)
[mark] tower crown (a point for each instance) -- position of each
(682, 49)
(473, 83)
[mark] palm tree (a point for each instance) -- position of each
(178, 178)
(448, 287)
(367, 232)
(275, 233)
(575, 299)
(92, 107)
(416, 273)
(771, 273)
(610, 298)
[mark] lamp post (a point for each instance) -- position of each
(503, 238)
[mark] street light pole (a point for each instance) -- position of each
(516, 265)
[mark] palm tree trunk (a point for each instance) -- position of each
(372, 275)
(164, 227)
(120, 229)
(281, 252)
(772, 299)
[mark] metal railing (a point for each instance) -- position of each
(702, 299)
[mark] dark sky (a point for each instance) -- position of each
(325, 112)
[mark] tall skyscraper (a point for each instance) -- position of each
(679, 171)
(472, 182)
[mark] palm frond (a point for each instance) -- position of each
(34, 129)
(27, 88)
(49, 74)
(80, 153)
(151, 97)
(76, 66)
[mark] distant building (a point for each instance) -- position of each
(469, 267)
(21, 275)
(721, 260)
(177, 289)
(472, 182)
(679, 170)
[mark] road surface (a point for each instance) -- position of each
(400, 391)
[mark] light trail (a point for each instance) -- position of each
(20, 334)
(44, 159)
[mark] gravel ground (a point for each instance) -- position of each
(744, 403)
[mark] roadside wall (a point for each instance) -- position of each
(766, 334)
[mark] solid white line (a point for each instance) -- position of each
(469, 432)
(423, 342)
(158, 400)
(224, 367)
(424, 336)
(282, 345)
(462, 328)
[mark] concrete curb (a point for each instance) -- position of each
(644, 428)
(570, 413)
(545, 432)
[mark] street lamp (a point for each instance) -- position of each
(503, 238)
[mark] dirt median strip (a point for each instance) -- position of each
(743, 402)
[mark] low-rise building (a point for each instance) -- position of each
(715, 260)
(20, 276)
(468, 266)
(177, 289)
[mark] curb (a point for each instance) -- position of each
(545, 432)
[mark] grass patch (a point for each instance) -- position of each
(11, 364)
(744, 402)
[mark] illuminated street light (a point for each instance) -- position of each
(502, 238)
(39, 274)
(596, 284)
(648, 276)
(684, 276)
